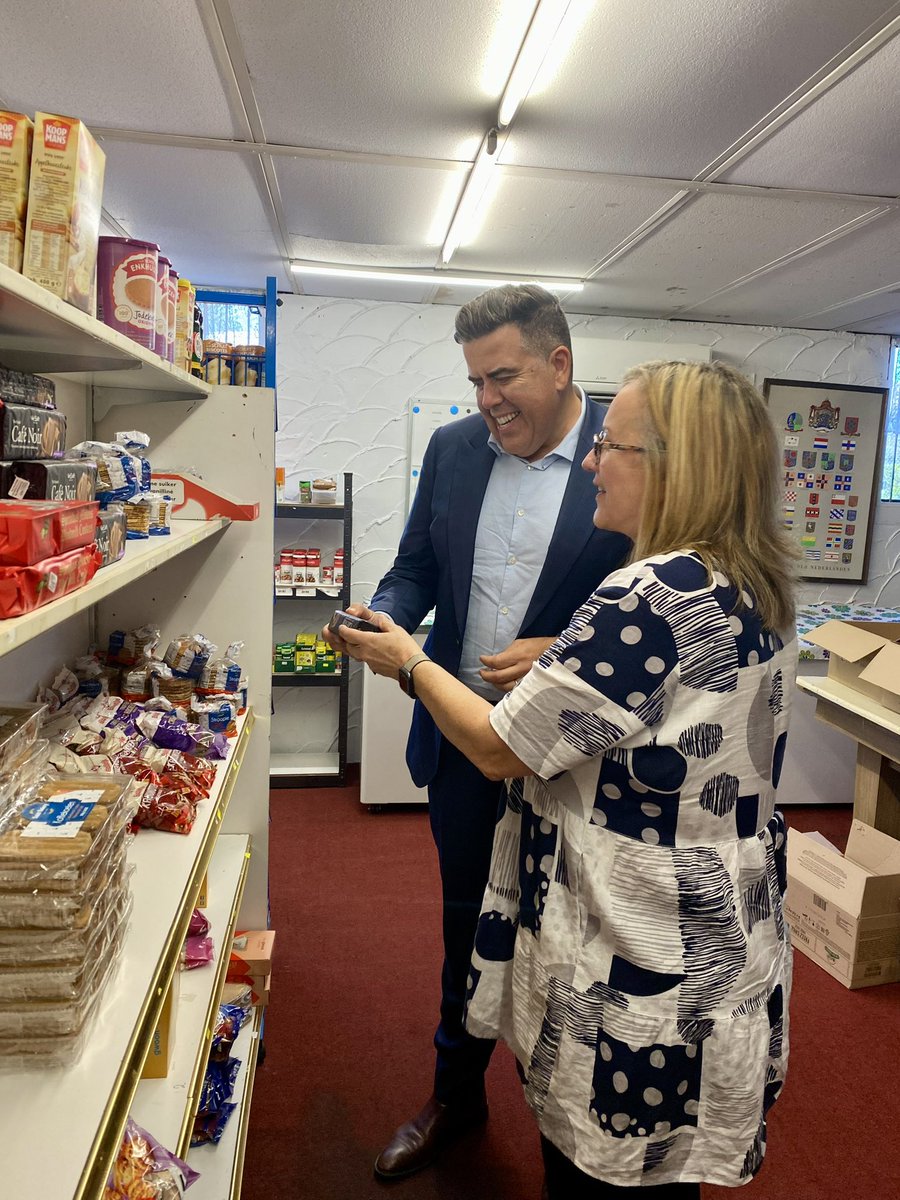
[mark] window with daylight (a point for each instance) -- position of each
(239, 324)
(890, 479)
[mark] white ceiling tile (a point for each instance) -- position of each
(384, 207)
(392, 78)
(888, 323)
(556, 226)
(853, 266)
(202, 207)
(719, 237)
(128, 65)
(846, 141)
(854, 315)
(653, 89)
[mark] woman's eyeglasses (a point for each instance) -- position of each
(602, 442)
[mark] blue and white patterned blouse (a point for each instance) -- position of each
(632, 949)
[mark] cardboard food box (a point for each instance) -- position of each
(864, 655)
(251, 953)
(15, 164)
(159, 1056)
(844, 909)
(65, 191)
(259, 986)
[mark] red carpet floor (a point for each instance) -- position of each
(354, 996)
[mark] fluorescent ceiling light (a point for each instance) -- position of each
(430, 278)
(480, 175)
(545, 24)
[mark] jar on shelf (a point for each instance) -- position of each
(184, 324)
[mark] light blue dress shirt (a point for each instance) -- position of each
(518, 516)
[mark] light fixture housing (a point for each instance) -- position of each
(545, 24)
(428, 278)
(480, 175)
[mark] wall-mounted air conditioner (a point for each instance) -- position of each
(600, 365)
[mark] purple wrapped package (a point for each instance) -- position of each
(173, 734)
(142, 1158)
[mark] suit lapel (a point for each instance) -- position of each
(573, 525)
(471, 471)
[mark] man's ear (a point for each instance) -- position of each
(561, 362)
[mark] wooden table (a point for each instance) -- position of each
(876, 795)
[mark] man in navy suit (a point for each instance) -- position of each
(500, 542)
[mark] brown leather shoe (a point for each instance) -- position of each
(417, 1143)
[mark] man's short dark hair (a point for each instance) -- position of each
(537, 313)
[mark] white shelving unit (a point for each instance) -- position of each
(140, 558)
(209, 576)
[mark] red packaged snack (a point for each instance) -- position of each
(37, 529)
(23, 589)
(165, 808)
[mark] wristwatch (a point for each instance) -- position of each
(405, 678)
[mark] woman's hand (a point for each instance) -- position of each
(384, 653)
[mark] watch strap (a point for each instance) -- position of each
(405, 677)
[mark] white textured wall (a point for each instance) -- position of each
(349, 370)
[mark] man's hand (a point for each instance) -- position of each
(384, 652)
(334, 640)
(504, 670)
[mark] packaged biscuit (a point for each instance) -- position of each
(19, 725)
(53, 479)
(66, 947)
(28, 432)
(18, 387)
(16, 132)
(52, 839)
(111, 534)
(60, 1018)
(64, 199)
(32, 531)
(23, 589)
(65, 982)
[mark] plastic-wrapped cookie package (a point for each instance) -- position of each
(54, 840)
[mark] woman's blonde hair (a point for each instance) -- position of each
(713, 480)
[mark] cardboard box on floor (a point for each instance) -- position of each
(864, 655)
(844, 909)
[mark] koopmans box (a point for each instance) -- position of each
(844, 909)
(159, 1056)
(864, 655)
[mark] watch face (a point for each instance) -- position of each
(405, 680)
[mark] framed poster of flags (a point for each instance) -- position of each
(830, 438)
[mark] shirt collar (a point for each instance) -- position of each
(566, 448)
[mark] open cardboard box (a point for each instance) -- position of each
(864, 655)
(844, 909)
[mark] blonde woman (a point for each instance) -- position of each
(632, 949)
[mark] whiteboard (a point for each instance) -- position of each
(425, 417)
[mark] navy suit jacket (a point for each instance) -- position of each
(433, 567)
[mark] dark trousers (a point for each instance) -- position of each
(463, 808)
(566, 1182)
